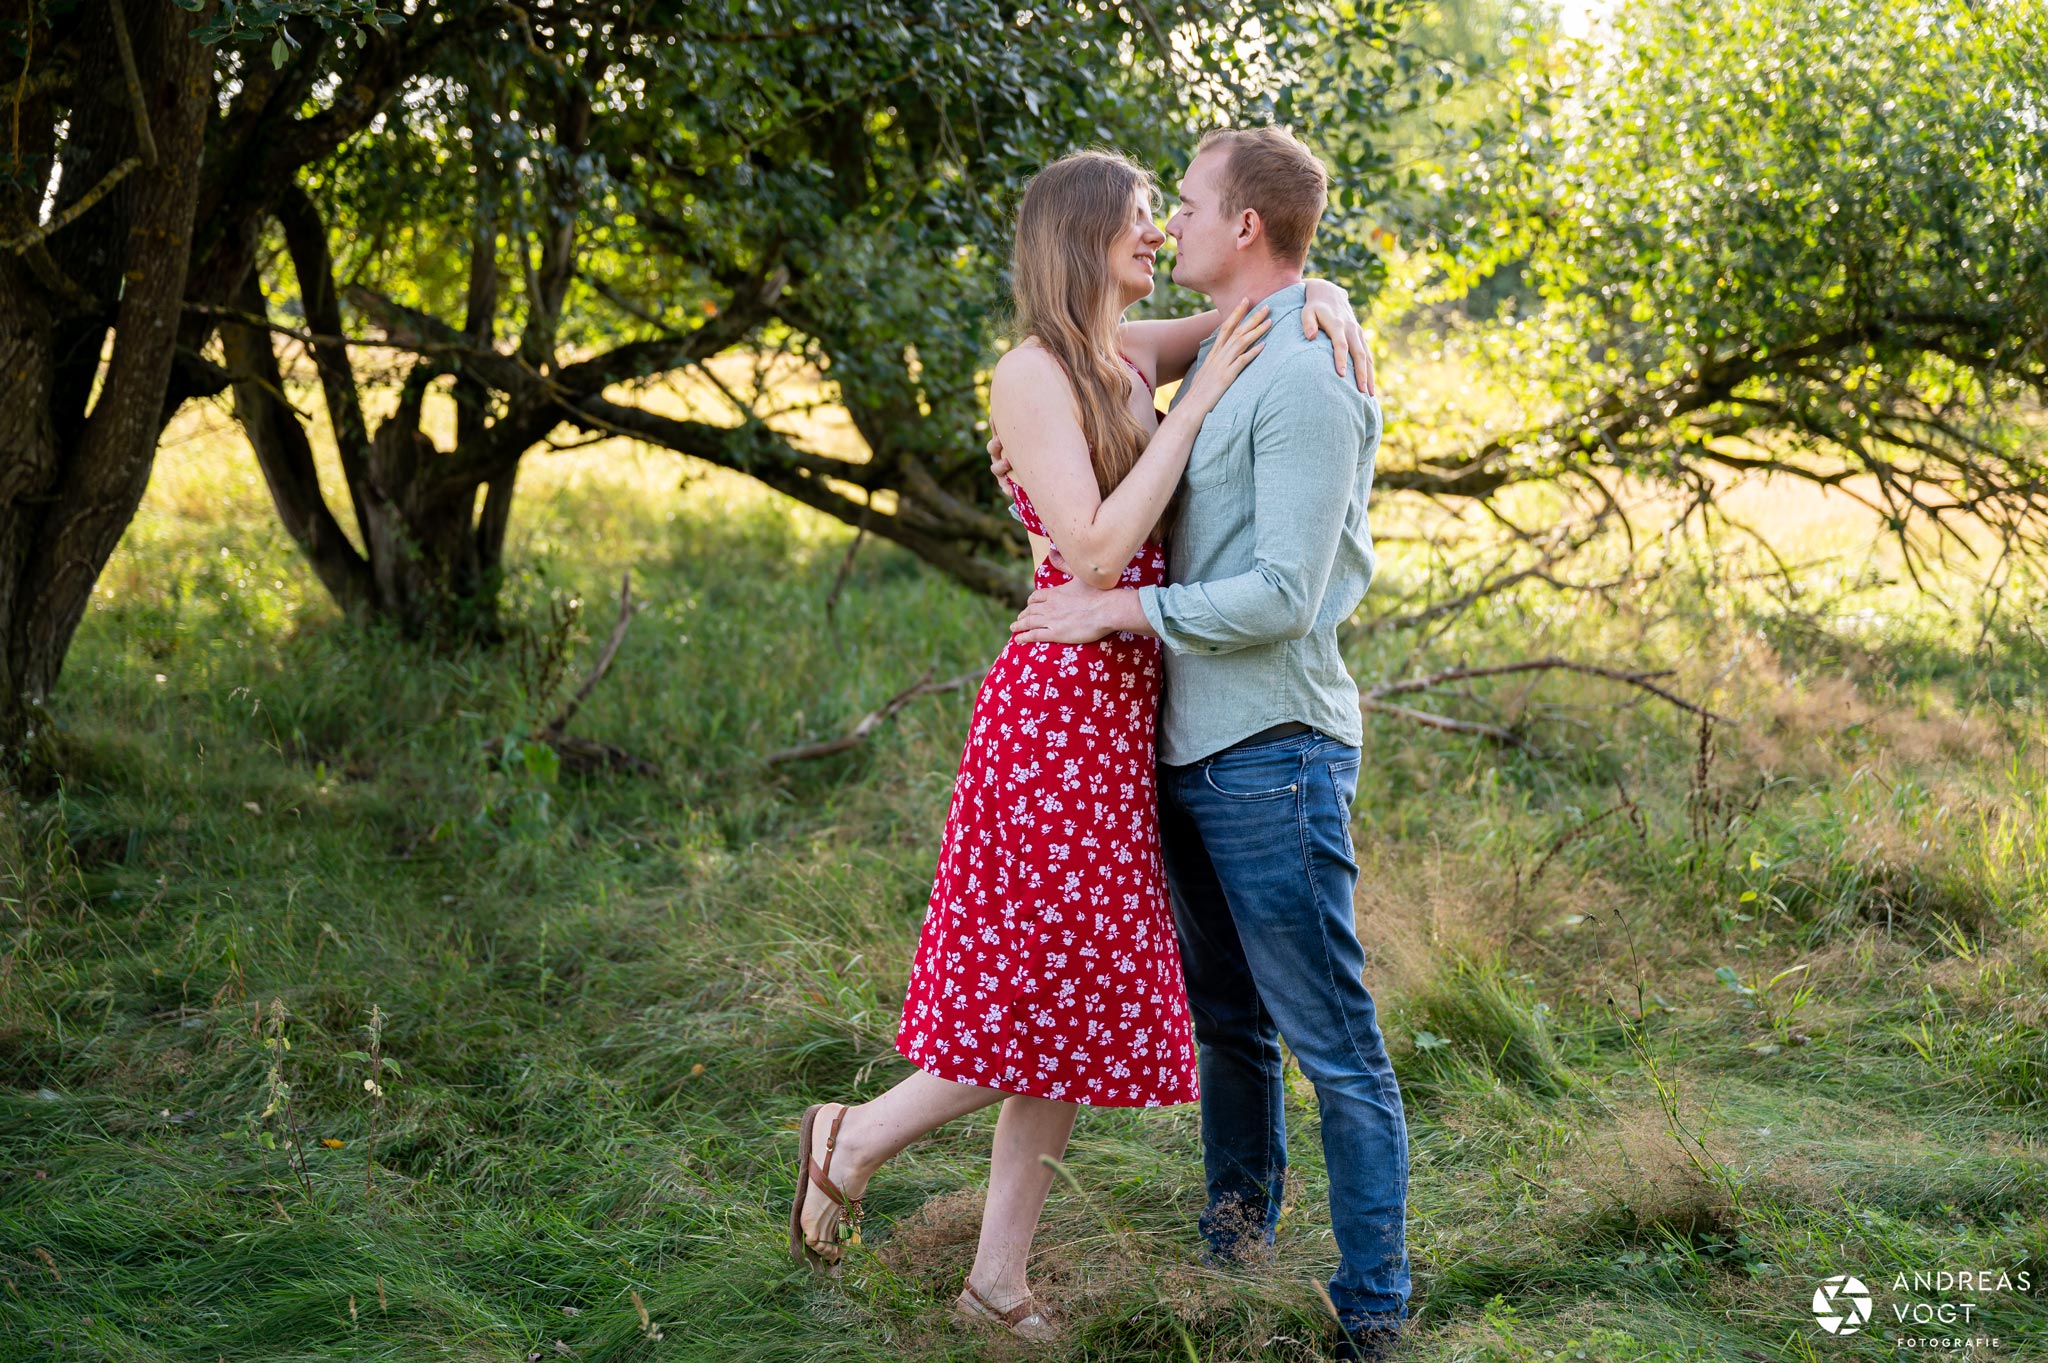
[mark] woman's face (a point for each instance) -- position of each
(1136, 250)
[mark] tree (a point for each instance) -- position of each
(1791, 237)
(143, 163)
(607, 196)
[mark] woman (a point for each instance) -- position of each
(1047, 974)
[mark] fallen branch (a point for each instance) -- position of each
(1456, 726)
(628, 608)
(1375, 697)
(1638, 679)
(586, 755)
(874, 719)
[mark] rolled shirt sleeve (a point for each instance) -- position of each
(1307, 437)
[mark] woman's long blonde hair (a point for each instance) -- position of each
(1073, 212)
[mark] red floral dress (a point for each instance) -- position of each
(1048, 964)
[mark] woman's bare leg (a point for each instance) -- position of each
(1029, 1130)
(875, 1131)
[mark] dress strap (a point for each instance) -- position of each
(1135, 370)
(1024, 511)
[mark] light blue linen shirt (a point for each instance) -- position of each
(1271, 551)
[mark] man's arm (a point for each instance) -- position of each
(1305, 446)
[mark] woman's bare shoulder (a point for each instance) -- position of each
(1029, 362)
(1029, 373)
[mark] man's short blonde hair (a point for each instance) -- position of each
(1273, 173)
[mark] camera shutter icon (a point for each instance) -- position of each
(1841, 1304)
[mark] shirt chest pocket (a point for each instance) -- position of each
(1222, 450)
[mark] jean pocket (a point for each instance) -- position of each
(1343, 779)
(1255, 778)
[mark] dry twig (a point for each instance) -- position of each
(628, 608)
(874, 719)
(586, 754)
(1375, 697)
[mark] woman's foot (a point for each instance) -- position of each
(1017, 1312)
(827, 1218)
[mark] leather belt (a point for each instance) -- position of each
(1267, 735)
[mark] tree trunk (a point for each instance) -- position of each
(428, 559)
(285, 455)
(73, 475)
(426, 546)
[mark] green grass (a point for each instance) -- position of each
(608, 998)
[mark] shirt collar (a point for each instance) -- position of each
(1284, 303)
(1293, 298)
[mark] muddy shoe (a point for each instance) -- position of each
(1239, 1236)
(1381, 1345)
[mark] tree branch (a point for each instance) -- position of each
(143, 137)
(873, 719)
(1374, 697)
(59, 221)
(628, 608)
(305, 233)
(1637, 679)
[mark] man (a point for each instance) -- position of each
(1259, 740)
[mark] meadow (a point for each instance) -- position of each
(339, 1022)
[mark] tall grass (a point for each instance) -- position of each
(327, 1034)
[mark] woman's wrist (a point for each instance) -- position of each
(1186, 418)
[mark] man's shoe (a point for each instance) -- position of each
(1245, 1255)
(1368, 1346)
(1370, 1338)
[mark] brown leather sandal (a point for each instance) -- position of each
(1026, 1320)
(809, 1175)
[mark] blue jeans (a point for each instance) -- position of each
(1257, 841)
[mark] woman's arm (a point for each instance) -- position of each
(1165, 349)
(1097, 535)
(1031, 397)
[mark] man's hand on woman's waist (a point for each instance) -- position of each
(1076, 613)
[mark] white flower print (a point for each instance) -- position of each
(1048, 921)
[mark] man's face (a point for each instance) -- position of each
(1204, 237)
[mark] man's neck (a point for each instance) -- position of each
(1254, 284)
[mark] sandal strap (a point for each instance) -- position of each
(1022, 1311)
(821, 1174)
(826, 1185)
